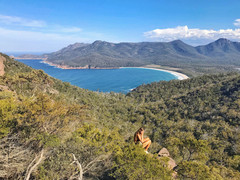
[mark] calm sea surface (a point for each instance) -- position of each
(104, 80)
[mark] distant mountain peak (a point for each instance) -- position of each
(223, 41)
(76, 45)
(99, 41)
(177, 41)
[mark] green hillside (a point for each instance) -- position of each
(53, 130)
(219, 56)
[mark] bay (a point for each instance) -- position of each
(120, 80)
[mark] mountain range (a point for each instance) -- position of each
(178, 54)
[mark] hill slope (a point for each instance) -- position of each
(221, 54)
(45, 123)
(105, 54)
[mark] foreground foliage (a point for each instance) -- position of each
(56, 126)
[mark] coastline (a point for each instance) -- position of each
(180, 76)
(68, 67)
(29, 58)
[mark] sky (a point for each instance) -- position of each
(49, 25)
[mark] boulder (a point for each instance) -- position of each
(163, 153)
(171, 163)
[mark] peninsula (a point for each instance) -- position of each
(221, 55)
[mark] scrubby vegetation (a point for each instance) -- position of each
(52, 130)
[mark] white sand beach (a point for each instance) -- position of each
(179, 76)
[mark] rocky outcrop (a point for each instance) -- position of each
(163, 153)
(171, 163)
(2, 59)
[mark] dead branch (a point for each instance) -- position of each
(11, 156)
(93, 163)
(31, 167)
(79, 167)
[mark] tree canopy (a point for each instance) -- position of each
(53, 130)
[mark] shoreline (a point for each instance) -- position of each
(29, 58)
(68, 67)
(180, 76)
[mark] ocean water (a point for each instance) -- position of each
(104, 80)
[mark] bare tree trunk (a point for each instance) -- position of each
(31, 167)
(88, 167)
(79, 167)
(91, 164)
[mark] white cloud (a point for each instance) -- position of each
(13, 20)
(33, 41)
(70, 30)
(22, 40)
(237, 23)
(41, 25)
(184, 33)
(20, 34)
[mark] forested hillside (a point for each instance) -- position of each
(218, 56)
(52, 130)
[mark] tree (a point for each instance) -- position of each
(133, 163)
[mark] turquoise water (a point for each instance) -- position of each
(104, 80)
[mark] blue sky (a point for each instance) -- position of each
(49, 25)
